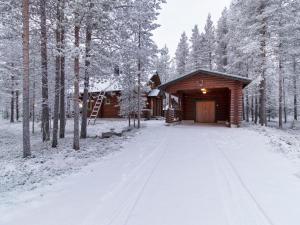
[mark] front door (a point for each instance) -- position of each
(205, 112)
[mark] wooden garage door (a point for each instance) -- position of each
(205, 112)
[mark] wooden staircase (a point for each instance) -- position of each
(97, 107)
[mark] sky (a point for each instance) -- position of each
(181, 15)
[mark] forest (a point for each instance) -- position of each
(255, 39)
(48, 49)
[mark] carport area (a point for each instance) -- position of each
(212, 107)
(206, 97)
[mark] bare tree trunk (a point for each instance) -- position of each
(243, 107)
(256, 111)
(139, 81)
(17, 105)
(134, 120)
(262, 102)
(284, 101)
(33, 106)
(210, 61)
(62, 113)
(247, 106)
(295, 90)
(76, 85)
(69, 99)
(12, 100)
(280, 85)
(26, 113)
(6, 113)
(57, 76)
(44, 60)
(262, 86)
(88, 41)
(50, 119)
(252, 108)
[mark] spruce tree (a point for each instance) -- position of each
(182, 54)
(195, 50)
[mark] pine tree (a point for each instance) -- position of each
(12, 102)
(26, 116)
(293, 49)
(62, 109)
(88, 41)
(163, 65)
(77, 26)
(237, 38)
(44, 62)
(57, 75)
(140, 24)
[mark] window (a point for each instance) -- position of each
(107, 101)
(90, 104)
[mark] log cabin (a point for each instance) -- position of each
(155, 98)
(110, 107)
(206, 97)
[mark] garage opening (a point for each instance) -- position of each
(206, 96)
(213, 106)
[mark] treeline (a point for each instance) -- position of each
(48, 48)
(259, 39)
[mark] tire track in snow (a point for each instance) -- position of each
(131, 185)
(140, 194)
(220, 183)
(237, 211)
(242, 183)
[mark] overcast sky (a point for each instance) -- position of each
(181, 15)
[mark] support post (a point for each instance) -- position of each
(236, 106)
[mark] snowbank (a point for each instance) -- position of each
(285, 141)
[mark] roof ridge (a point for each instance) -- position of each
(245, 80)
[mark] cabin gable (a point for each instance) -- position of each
(206, 96)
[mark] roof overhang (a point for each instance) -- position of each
(244, 80)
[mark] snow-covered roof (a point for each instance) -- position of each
(244, 80)
(97, 86)
(154, 93)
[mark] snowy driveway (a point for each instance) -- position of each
(181, 175)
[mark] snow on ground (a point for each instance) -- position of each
(185, 174)
(47, 164)
(285, 141)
